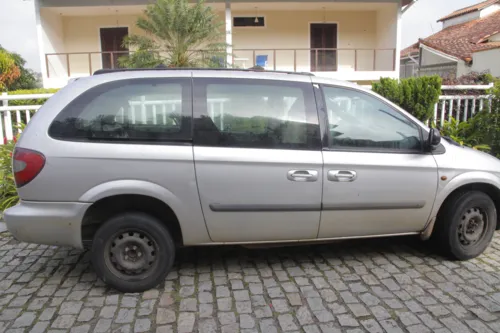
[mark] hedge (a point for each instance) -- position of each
(38, 101)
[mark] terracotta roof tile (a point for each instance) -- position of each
(462, 40)
(470, 9)
(412, 49)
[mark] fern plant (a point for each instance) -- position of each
(177, 34)
(466, 133)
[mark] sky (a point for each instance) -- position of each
(18, 33)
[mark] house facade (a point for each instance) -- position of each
(469, 42)
(348, 39)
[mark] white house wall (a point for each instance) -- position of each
(495, 38)
(489, 10)
(430, 58)
(487, 60)
(53, 42)
(461, 19)
(387, 28)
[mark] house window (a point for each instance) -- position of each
(249, 21)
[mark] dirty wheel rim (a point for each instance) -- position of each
(472, 227)
(131, 254)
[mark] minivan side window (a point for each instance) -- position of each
(141, 110)
(261, 114)
(360, 122)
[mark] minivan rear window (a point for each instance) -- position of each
(144, 110)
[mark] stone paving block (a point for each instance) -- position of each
(373, 288)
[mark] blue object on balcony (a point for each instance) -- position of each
(261, 60)
(218, 61)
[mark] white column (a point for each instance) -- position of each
(39, 35)
(229, 34)
(398, 39)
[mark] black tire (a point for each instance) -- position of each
(466, 225)
(146, 250)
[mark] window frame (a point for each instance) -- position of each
(183, 137)
(328, 138)
(249, 26)
(200, 105)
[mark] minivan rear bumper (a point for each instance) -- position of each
(51, 223)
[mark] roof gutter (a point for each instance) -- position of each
(408, 6)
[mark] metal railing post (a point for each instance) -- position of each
(47, 65)
(67, 64)
(294, 60)
(355, 60)
(316, 61)
(274, 59)
(90, 63)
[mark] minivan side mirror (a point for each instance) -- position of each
(434, 138)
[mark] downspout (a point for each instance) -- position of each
(408, 6)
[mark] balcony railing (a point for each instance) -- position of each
(294, 60)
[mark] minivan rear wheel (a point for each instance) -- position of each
(132, 252)
(466, 225)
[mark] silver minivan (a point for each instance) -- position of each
(134, 163)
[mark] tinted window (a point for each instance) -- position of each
(360, 121)
(131, 110)
(256, 114)
(249, 21)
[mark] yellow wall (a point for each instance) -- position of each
(82, 34)
(53, 42)
(290, 30)
(284, 30)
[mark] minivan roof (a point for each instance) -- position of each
(162, 68)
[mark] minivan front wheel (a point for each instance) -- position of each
(132, 252)
(466, 225)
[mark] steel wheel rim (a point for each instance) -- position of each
(131, 254)
(472, 227)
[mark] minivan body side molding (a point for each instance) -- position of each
(376, 206)
(314, 208)
(264, 208)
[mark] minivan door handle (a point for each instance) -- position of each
(302, 175)
(342, 176)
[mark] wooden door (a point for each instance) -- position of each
(112, 41)
(323, 41)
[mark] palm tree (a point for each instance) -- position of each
(177, 34)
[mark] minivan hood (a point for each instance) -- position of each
(465, 158)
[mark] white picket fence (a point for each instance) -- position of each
(461, 107)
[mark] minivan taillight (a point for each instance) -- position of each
(27, 165)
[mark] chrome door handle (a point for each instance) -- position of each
(342, 175)
(302, 175)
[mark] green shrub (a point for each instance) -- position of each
(8, 191)
(470, 133)
(38, 101)
(417, 95)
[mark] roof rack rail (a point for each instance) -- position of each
(164, 68)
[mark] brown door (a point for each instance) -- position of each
(111, 46)
(323, 41)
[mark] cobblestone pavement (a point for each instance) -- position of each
(393, 285)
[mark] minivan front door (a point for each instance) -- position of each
(377, 179)
(258, 158)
